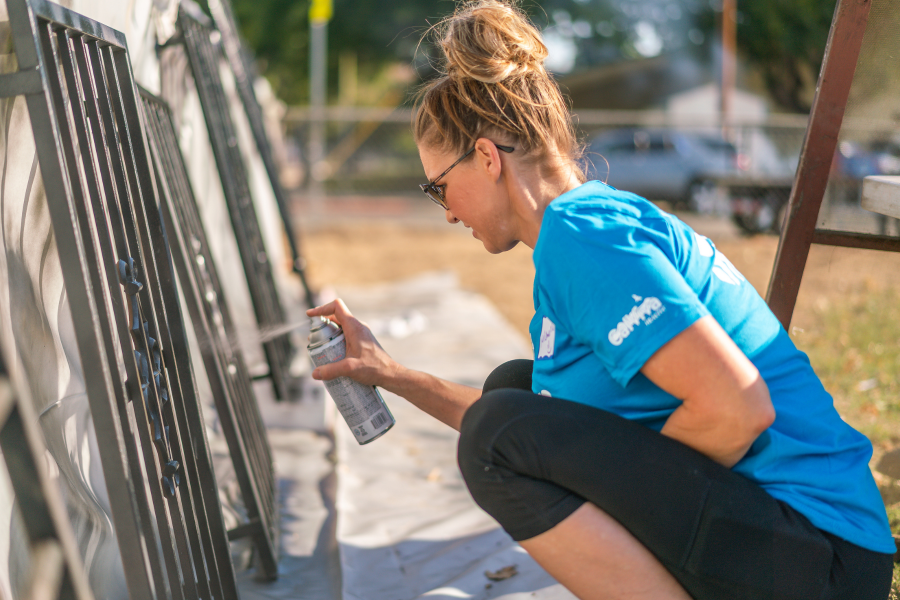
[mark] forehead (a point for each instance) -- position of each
(434, 162)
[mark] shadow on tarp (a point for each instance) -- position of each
(446, 570)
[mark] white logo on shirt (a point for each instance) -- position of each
(646, 312)
(722, 267)
(548, 339)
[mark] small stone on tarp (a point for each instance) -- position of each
(501, 574)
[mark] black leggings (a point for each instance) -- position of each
(530, 461)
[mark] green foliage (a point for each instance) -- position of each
(380, 33)
(786, 41)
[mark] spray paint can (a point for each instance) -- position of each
(361, 405)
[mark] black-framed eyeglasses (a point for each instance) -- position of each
(436, 192)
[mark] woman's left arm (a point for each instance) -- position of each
(725, 402)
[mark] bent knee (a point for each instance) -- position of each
(511, 374)
(485, 416)
(480, 426)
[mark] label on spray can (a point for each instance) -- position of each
(361, 405)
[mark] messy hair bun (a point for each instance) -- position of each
(491, 42)
(494, 85)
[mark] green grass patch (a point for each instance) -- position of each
(853, 343)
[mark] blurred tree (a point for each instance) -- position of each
(784, 40)
(381, 34)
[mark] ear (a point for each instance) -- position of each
(488, 158)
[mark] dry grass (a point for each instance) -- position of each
(361, 254)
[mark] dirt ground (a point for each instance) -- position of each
(379, 250)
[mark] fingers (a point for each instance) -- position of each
(341, 368)
(336, 310)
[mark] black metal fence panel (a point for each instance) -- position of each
(228, 375)
(242, 69)
(120, 283)
(205, 57)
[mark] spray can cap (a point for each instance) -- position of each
(322, 331)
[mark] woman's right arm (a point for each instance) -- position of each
(368, 363)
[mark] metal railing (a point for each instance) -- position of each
(243, 77)
(205, 58)
(86, 118)
(56, 567)
(228, 375)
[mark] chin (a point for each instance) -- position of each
(499, 249)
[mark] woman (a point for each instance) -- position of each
(668, 440)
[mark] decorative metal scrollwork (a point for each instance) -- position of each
(148, 349)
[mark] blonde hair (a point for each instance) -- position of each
(494, 85)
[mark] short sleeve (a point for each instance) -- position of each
(616, 288)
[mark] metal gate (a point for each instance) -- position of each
(204, 57)
(86, 118)
(228, 376)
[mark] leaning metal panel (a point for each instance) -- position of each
(204, 57)
(119, 280)
(229, 379)
(242, 70)
(56, 567)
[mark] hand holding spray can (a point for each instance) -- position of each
(361, 405)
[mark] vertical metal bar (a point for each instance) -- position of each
(318, 36)
(838, 66)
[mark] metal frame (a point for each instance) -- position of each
(204, 58)
(242, 69)
(57, 570)
(86, 120)
(228, 376)
(799, 231)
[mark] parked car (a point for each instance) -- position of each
(661, 164)
(759, 203)
(853, 161)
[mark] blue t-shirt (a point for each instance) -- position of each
(616, 278)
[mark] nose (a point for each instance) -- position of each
(450, 218)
